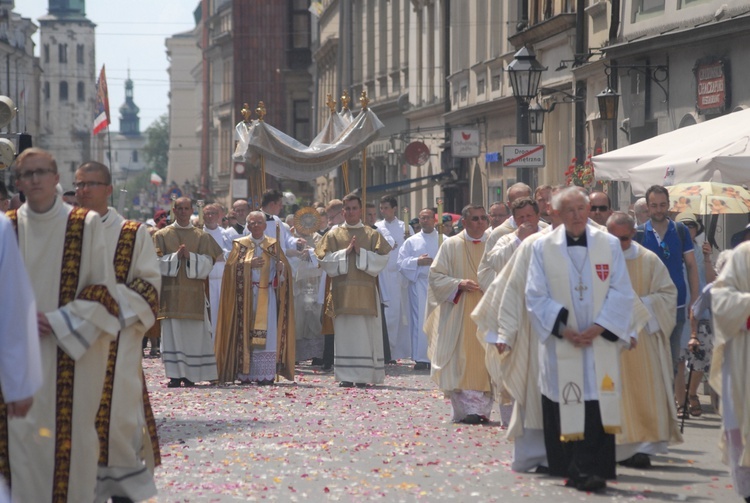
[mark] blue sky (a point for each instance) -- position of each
(131, 34)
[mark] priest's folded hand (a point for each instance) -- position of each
(257, 262)
(45, 328)
(468, 285)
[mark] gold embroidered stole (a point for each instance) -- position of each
(123, 259)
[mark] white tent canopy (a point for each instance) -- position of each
(340, 139)
(690, 154)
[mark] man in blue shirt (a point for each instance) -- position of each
(671, 242)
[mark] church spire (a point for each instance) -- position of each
(67, 8)
(129, 120)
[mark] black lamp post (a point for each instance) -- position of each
(525, 72)
(536, 117)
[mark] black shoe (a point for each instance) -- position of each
(346, 384)
(542, 470)
(391, 362)
(174, 383)
(637, 460)
(121, 499)
(187, 382)
(361, 385)
(592, 483)
(265, 382)
(472, 419)
(421, 366)
(317, 362)
(327, 366)
(154, 353)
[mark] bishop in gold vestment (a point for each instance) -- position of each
(453, 292)
(352, 255)
(253, 343)
(186, 257)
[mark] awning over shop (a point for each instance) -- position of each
(690, 154)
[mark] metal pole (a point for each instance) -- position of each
(522, 137)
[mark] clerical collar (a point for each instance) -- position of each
(188, 226)
(632, 251)
(355, 226)
(269, 217)
(474, 240)
(106, 216)
(581, 241)
(259, 240)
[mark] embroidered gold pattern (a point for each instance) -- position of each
(69, 276)
(122, 262)
(148, 292)
(100, 294)
(151, 423)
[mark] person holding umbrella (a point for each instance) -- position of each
(699, 350)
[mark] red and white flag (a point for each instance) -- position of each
(101, 119)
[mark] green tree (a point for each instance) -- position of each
(156, 150)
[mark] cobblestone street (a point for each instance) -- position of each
(314, 441)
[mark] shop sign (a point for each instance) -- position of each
(711, 86)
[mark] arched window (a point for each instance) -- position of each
(63, 91)
(81, 92)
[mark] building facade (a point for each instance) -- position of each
(20, 75)
(68, 90)
(127, 143)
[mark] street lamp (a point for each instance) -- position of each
(536, 117)
(525, 72)
(608, 101)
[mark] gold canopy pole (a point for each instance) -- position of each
(261, 112)
(364, 101)
(345, 165)
(439, 201)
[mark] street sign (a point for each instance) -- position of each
(523, 156)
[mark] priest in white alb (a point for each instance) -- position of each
(397, 306)
(456, 356)
(352, 255)
(414, 259)
(525, 213)
(580, 300)
(128, 445)
(730, 372)
(186, 257)
(211, 217)
(649, 420)
(512, 354)
(53, 454)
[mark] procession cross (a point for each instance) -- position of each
(580, 288)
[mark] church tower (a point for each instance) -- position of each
(67, 58)
(129, 121)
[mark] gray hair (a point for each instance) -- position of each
(567, 193)
(466, 212)
(639, 204)
(257, 214)
(621, 218)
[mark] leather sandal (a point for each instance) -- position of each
(695, 406)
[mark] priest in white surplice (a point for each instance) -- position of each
(512, 355)
(525, 213)
(456, 356)
(414, 260)
(352, 255)
(186, 257)
(53, 454)
(20, 360)
(223, 237)
(397, 306)
(516, 191)
(730, 373)
(580, 301)
(649, 420)
(127, 442)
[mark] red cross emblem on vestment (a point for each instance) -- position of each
(602, 270)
